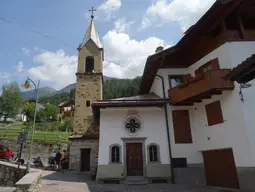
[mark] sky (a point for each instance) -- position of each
(39, 39)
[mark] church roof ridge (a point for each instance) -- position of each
(92, 34)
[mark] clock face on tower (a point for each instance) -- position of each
(132, 125)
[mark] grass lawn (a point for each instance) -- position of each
(11, 131)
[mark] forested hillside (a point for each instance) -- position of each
(113, 88)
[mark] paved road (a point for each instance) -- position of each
(63, 182)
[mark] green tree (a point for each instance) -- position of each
(42, 115)
(29, 110)
(51, 112)
(67, 126)
(72, 94)
(11, 101)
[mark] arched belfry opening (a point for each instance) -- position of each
(89, 64)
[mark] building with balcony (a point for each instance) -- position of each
(66, 109)
(210, 114)
(193, 121)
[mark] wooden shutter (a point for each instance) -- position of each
(181, 125)
(220, 168)
(214, 113)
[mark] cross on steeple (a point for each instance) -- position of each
(92, 12)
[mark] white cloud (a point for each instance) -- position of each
(121, 50)
(55, 67)
(26, 51)
(121, 25)
(20, 66)
(109, 6)
(184, 12)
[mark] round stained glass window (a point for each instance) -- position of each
(133, 125)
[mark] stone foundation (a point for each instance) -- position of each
(75, 154)
(30, 183)
(192, 175)
(10, 174)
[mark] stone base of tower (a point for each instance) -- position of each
(83, 154)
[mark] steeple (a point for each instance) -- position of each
(91, 33)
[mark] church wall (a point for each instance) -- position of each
(75, 154)
(84, 144)
(88, 88)
(112, 131)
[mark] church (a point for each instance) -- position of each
(193, 122)
(132, 140)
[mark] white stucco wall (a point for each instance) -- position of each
(67, 108)
(237, 131)
(231, 133)
(240, 51)
(112, 130)
(248, 107)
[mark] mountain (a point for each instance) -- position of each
(48, 91)
(67, 89)
(43, 91)
(113, 88)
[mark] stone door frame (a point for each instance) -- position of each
(134, 140)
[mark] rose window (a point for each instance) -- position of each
(132, 125)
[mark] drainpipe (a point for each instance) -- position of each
(167, 129)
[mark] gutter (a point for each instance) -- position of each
(168, 132)
(167, 127)
(134, 100)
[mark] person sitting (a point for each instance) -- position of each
(37, 159)
(57, 159)
(64, 160)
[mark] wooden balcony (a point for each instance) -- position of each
(201, 87)
(68, 114)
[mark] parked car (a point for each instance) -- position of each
(6, 152)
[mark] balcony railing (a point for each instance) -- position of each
(201, 87)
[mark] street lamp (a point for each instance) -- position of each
(27, 85)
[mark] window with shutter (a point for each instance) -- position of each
(181, 125)
(214, 113)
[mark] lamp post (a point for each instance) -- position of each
(27, 85)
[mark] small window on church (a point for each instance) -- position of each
(153, 151)
(88, 103)
(89, 65)
(115, 154)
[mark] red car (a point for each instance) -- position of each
(6, 152)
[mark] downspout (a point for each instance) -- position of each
(167, 130)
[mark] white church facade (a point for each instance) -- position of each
(133, 139)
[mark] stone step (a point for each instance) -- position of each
(136, 181)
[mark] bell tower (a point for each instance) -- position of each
(89, 78)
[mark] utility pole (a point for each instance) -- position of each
(22, 137)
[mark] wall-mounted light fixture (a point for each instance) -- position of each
(243, 86)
